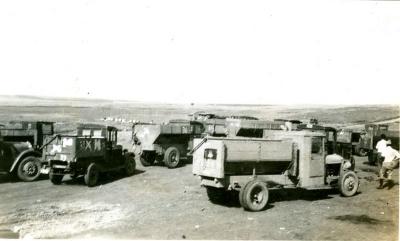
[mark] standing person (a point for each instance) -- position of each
(380, 148)
(136, 147)
(391, 159)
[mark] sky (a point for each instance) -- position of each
(236, 52)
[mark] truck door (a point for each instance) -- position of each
(114, 152)
(6, 156)
(317, 162)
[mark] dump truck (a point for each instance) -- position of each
(351, 139)
(21, 144)
(168, 143)
(252, 166)
(172, 142)
(93, 150)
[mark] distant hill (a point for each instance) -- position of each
(27, 100)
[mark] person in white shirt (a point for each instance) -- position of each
(391, 159)
(380, 148)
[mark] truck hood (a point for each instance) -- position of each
(20, 146)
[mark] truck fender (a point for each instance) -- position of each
(22, 155)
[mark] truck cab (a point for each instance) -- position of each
(20, 148)
(94, 149)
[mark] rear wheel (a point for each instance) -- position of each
(348, 183)
(172, 157)
(147, 158)
(130, 164)
(29, 169)
(255, 196)
(54, 178)
(92, 175)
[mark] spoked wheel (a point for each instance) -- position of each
(172, 157)
(147, 158)
(254, 196)
(130, 164)
(348, 183)
(54, 178)
(29, 169)
(92, 175)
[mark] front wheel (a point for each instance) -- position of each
(348, 183)
(92, 175)
(29, 169)
(255, 196)
(54, 178)
(172, 157)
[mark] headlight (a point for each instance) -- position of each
(346, 165)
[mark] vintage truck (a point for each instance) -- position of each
(172, 142)
(353, 139)
(93, 150)
(252, 166)
(372, 135)
(168, 143)
(21, 144)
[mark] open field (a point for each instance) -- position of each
(161, 203)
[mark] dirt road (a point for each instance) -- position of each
(161, 203)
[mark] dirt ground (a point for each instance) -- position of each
(161, 203)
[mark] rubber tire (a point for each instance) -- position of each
(55, 179)
(216, 195)
(147, 158)
(92, 175)
(130, 164)
(241, 196)
(168, 156)
(362, 152)
(248, 200)
(342, 182)
(36, 165)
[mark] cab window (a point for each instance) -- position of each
(85, 132)
(47, 129)
(316, 145)
(97, 133)
(112, 136)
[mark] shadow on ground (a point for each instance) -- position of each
(232, 197)
(359, 219)
(11, 178)
(104, 178)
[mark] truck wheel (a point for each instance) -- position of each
(255, 196)
(348, 183)
(55, 179)
(29, 169)
(147, 158)
(216, 195)
(362, 152)
(130, 165)
(172, 157)
(92, 175)
(242, 195)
